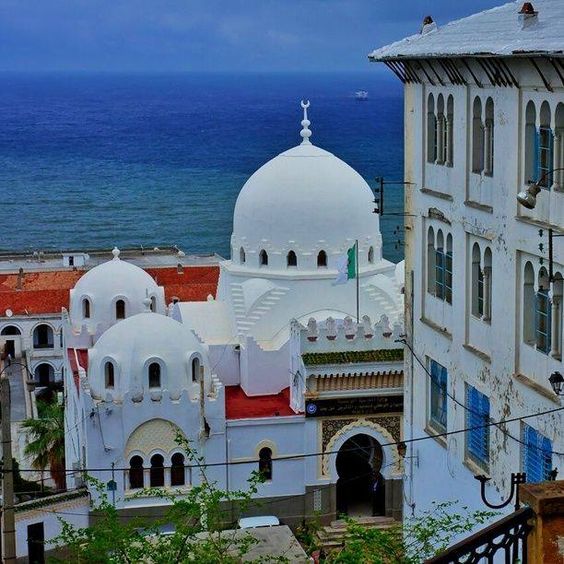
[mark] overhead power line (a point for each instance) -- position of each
(490, 420)
(331, 452)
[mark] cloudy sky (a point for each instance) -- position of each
(210, 35)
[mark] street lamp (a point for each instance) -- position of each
(528, 196)
(557, 382)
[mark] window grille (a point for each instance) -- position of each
(543, 321)
(536, 455)
(480, 292)
(545, 156)
(477, 438)
(440, 274)
(448, 277)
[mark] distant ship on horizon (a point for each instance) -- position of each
(361, 95)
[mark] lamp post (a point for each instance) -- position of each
(528, 197)
(557, 382)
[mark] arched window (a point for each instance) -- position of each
(431, 261)
(556, 332)
(487, 275)
(10, 330)
(477, 137)
(263, 258)
(543, 322)
(120, 309)
(265, 463)
(136, 473)
(242, 257)
(321, 259)
(440, 266)
(449, 131)
(86, 308)
(177, 471)
(157, 471)
(196, 369)
(109, 374)
(292, 259)
(489, 138)
(154, 375)
(546, 148)
(529, 304)
(441, 130)
(43, 337)
(530, 143)
(558, 181)
(431, 130)
(448, 269)
(153, 303)
(371, 255)
(44, 374)
(477, 282)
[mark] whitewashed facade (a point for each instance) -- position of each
(484, 113)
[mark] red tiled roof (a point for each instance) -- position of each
(193, 284)
(48, 292)
(240, 406)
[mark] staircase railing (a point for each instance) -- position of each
(508, 536)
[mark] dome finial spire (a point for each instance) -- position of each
(305, 132)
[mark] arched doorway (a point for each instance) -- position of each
(358, 463)
(10, 346)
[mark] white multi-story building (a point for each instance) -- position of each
(484, 114)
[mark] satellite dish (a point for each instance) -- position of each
(9, 313)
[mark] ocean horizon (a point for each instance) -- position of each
(93, 160)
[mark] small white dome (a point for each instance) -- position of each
(93, 301)
(136, 343)
(304, 200)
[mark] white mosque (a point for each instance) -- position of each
(275, 366)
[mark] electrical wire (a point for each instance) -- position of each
(328, 453)
(489, 419)
(256, 501)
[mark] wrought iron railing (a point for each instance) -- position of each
(508, 537)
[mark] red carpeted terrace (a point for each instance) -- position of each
(238, 405)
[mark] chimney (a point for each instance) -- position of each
(428, 25)
(527, 15)
(19, 283)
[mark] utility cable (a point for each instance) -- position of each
(328, 453)
(489, 419)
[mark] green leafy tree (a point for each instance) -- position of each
(198, 517)
(47, 442)
(411, 542)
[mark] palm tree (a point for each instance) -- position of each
(47, 444)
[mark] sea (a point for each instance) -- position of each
(96, 160)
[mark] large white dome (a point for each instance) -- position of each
(304, 200)
(137, 342)
(106, 284)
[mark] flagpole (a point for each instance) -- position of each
(357, 284)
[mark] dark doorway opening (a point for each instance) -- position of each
(10, 348)
(44, 374)
(360, 485)
(36, 543)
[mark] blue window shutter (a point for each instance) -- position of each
(536, 165)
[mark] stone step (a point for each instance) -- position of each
(368, 521)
